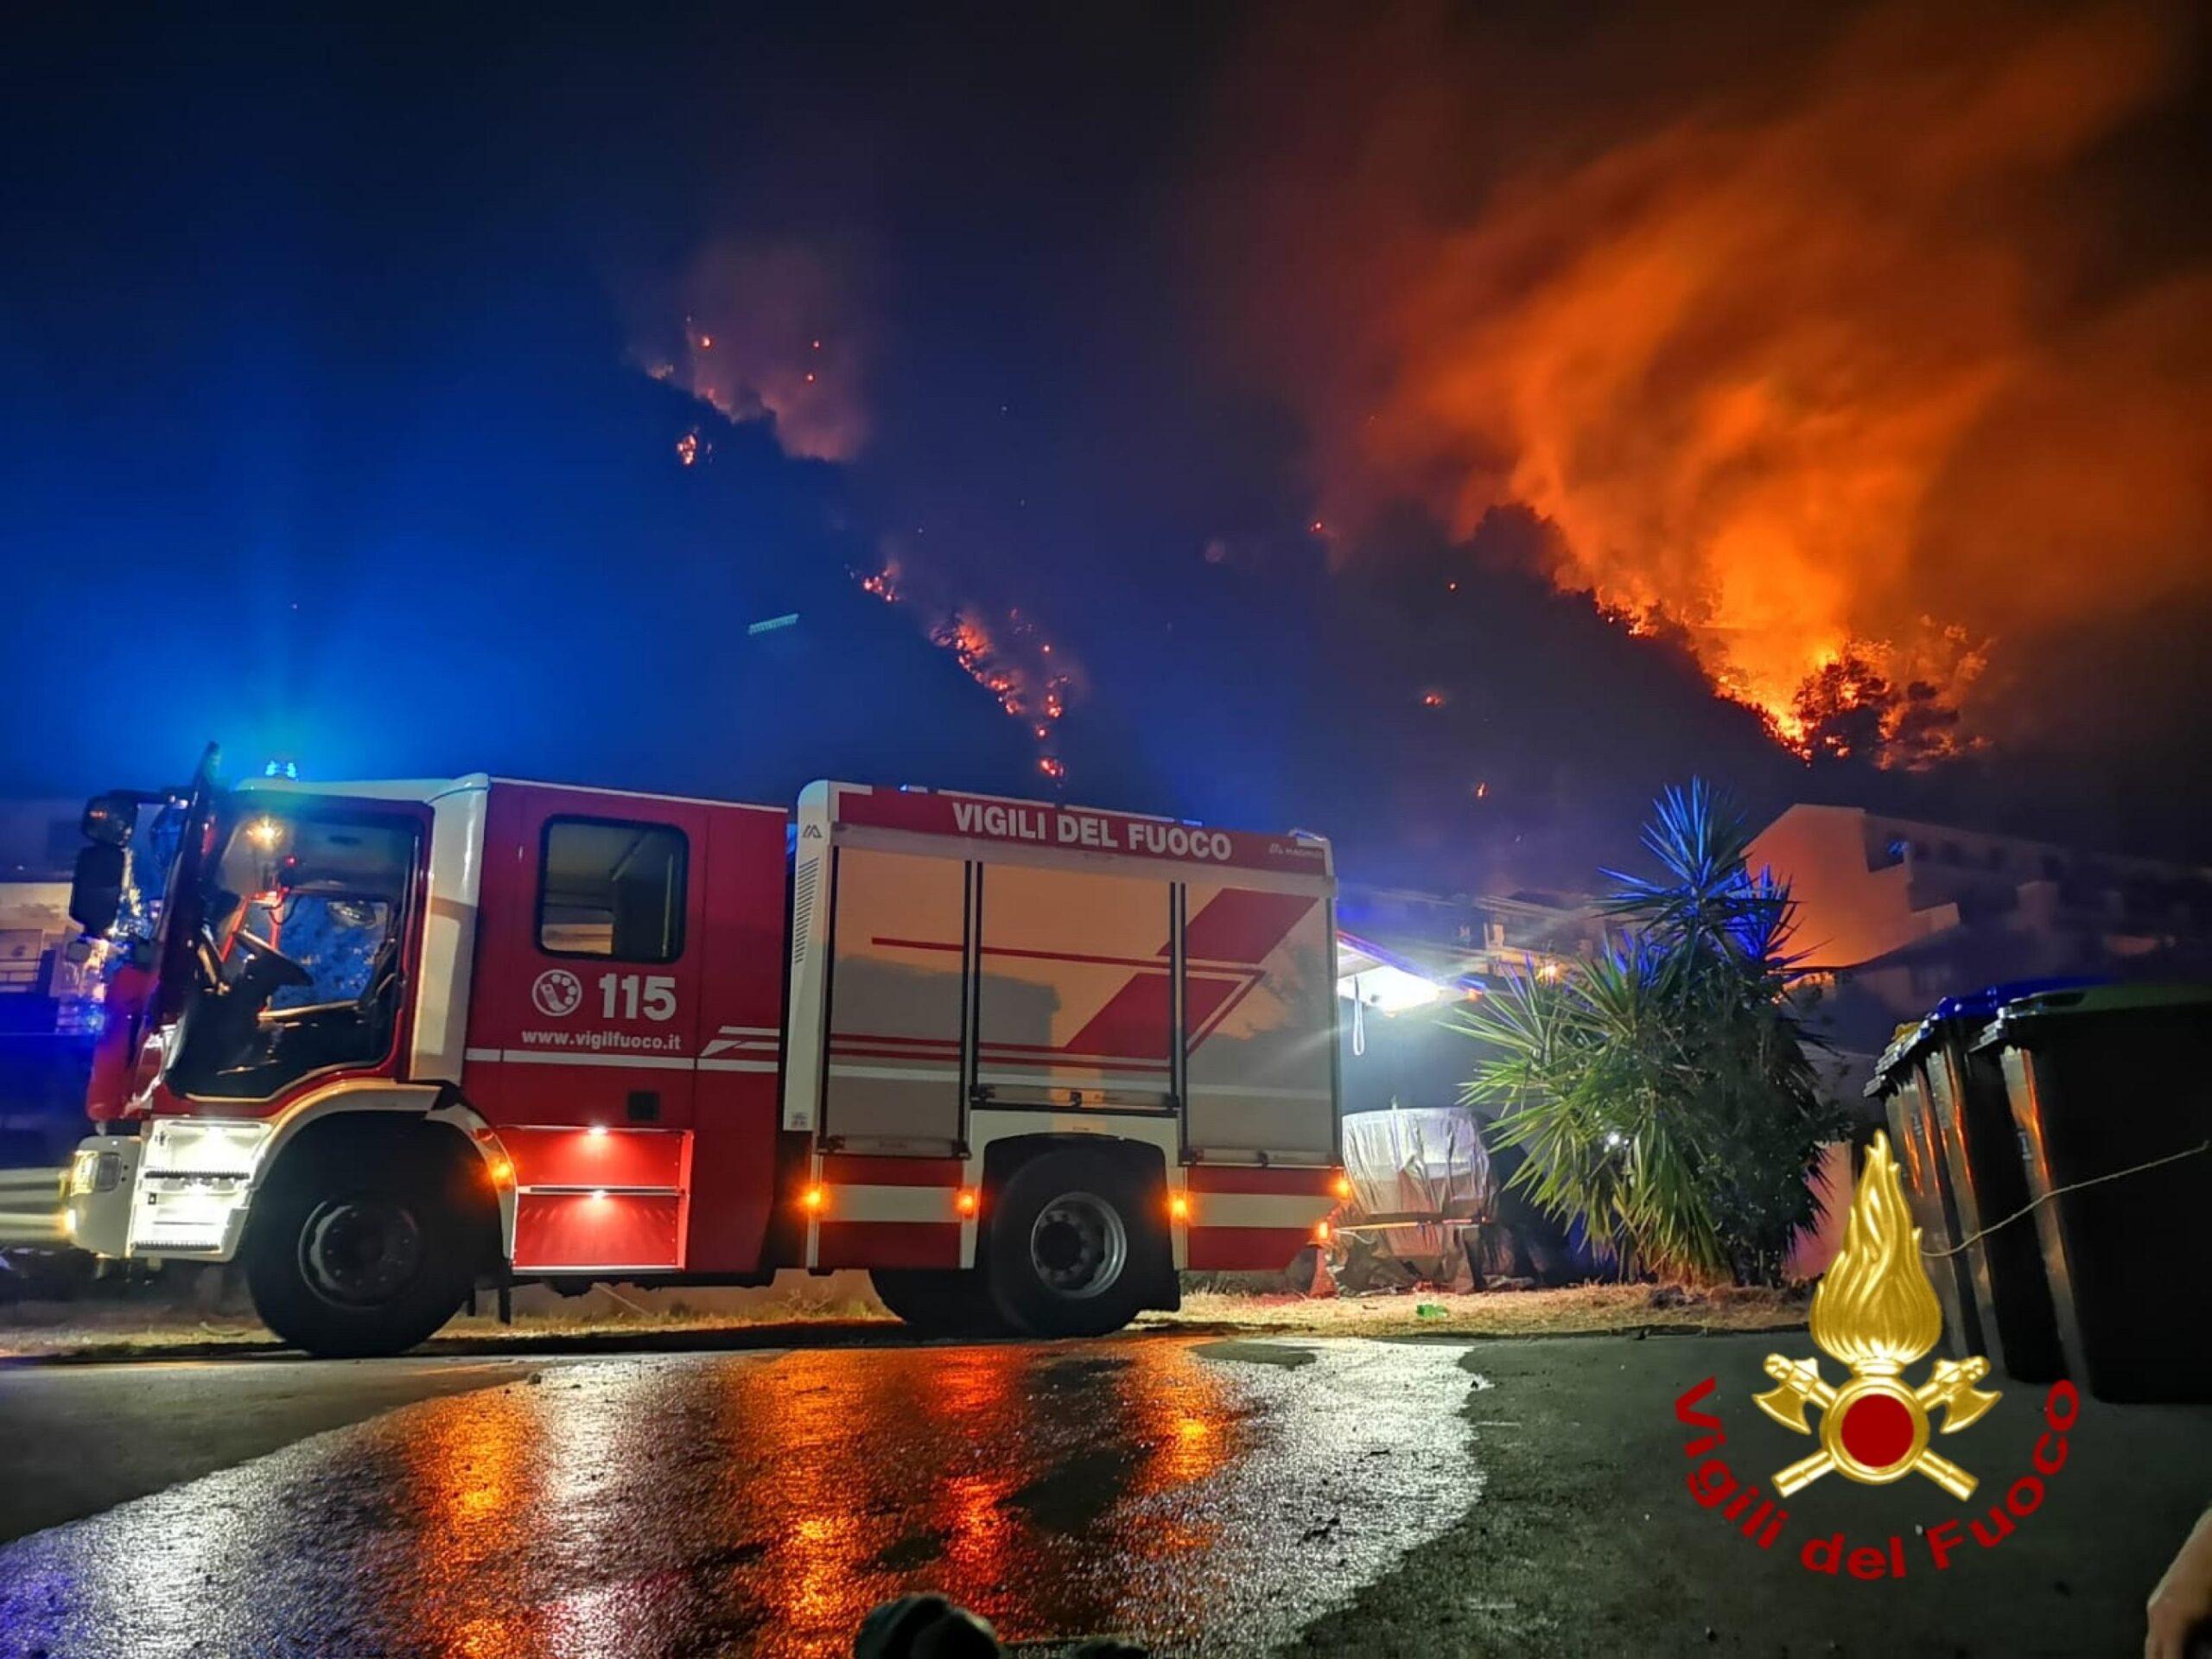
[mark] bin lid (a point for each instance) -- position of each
(1975, 1008)
(1904, 1048)
(2025, 1011)
(1985, 1002)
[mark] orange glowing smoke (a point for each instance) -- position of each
(769, 331)
(1830, 370)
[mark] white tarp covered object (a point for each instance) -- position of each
(1419, 1176)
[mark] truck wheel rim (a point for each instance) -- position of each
(1078, 1245)
(361, 1252)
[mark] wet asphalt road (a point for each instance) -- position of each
(1205, 1496)
(75, 1440)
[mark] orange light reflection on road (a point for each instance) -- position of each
(1181, 1415)
(816, 1583)
(974, 1390)
(473, 1474)
(979, 1472)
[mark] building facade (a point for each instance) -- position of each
(1898, 914)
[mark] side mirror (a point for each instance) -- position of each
(110, 819)
(96, 892)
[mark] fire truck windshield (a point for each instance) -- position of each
(302, 925)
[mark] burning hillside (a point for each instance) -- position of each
(1839, 375)
(1009, 656)
(771, 332)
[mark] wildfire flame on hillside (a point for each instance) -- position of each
(771, 332)
(1009, 657)
(1830, 374)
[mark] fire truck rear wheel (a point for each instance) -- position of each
(1074, 1249)
(352, 1256)
(939, 1301)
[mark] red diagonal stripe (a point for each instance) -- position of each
(1133, 1022)
(1242, 926)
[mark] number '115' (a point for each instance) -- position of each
(652, 995)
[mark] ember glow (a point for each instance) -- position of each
(1009, 656)
(1835, 381)
(769, 333)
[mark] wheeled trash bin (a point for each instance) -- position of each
(2101, 1081)
(1951, 1124)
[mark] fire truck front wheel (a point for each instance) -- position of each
(1074, 1249)
(349, 1257)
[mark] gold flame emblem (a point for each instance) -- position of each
(1875, 1310)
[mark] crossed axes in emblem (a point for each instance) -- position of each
(1949, 1385)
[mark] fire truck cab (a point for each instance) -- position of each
(390, 1043)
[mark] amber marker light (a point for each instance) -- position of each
(1179, 1207)
(1341, 1186)
(964, 1202)
(813, 1198)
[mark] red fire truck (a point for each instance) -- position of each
(393, 1043)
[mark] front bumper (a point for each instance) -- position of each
(179, 1189)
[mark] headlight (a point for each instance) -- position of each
(94, 1171)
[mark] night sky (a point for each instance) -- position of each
(347, 378)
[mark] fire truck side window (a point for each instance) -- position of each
(613, 889)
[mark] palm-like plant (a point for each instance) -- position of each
(1663, 1092)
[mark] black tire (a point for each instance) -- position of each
(1074, 1246)
(357, 1250)
(939, 1301)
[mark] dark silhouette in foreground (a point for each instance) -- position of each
(930, 1627)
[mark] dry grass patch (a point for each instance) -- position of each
(606, 1315)
(1581, 1310)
